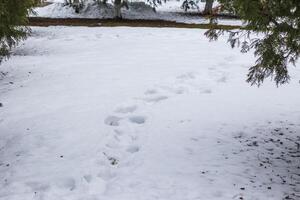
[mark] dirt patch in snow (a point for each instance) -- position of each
(41, 21)
(274, 155)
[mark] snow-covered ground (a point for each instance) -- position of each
(143, 114)
(169, 11)
(169, 5)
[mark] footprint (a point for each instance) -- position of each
(155, 99)
(151, 91)
(126, 109)
(133, 149)
(112, 121)
(194, 139)
(137, 119)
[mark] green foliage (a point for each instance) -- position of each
(277, 24)
(13, 20)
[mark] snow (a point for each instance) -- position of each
(169, 11)
(143, 113)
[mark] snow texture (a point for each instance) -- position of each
(143, 113)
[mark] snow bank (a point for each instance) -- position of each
(137, 10)
(94, 10)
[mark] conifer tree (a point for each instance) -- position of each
(276, 27)
(13, 21)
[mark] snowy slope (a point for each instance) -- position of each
(143, 114)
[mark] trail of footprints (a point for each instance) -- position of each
(126, 121)
(124, 140)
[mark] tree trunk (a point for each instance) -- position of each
(118, 6)
(76, 5)
(208, 7)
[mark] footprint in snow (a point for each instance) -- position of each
(112, 120)
(137, 119)
(133, 149)
(126, 109)
(155, 99)
(151, 91)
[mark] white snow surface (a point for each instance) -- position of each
(143, 114)
(169, 11)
